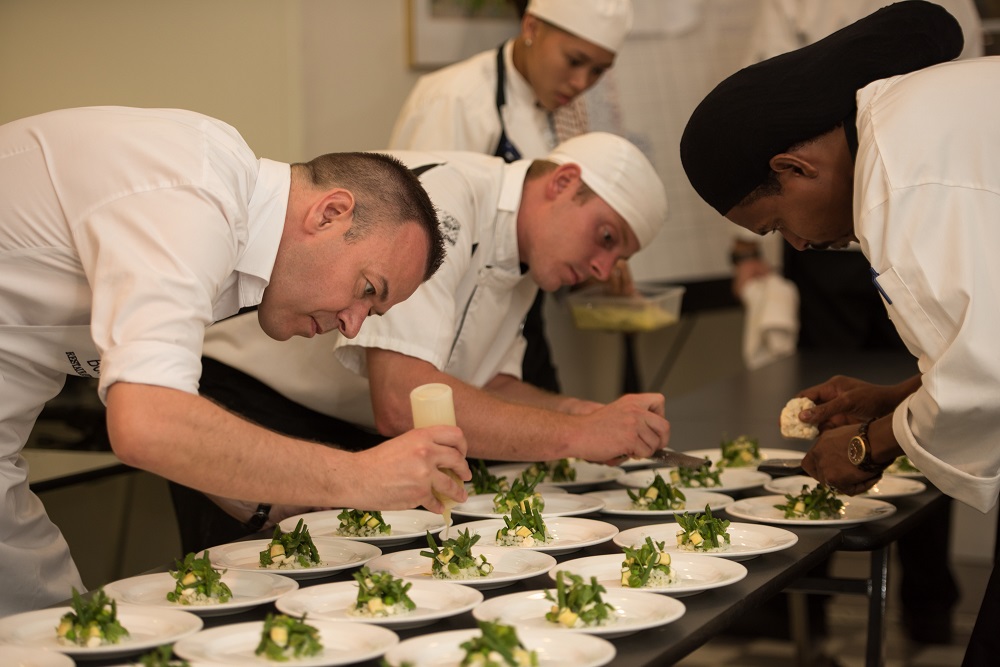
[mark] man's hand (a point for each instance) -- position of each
(403, 472)
(827, 463)
(844, 400)
(632, 426)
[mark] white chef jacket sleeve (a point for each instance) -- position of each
(155, 262)
(938, 269)
(438, 120)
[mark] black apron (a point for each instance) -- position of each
(537, 367)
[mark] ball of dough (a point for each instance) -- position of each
(792, 426)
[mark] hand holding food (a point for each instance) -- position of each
(791, 425)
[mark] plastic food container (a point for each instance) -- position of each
(653, 307)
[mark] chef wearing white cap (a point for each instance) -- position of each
(510, 229)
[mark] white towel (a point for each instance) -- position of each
(771, 325)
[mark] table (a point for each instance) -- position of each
(747, 402)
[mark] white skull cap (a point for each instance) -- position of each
(602, 22)
(621, 175)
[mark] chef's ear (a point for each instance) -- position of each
(567, 175)
(334, 206)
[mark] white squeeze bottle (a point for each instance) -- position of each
(433, 405)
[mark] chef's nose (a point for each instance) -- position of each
(350, 319)
(601, 267)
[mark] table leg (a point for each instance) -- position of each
(877, 590)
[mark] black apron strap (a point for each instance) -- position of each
(505, 149)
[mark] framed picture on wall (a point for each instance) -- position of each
(442, 32)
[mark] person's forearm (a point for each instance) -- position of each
(512, 390)
(190, 440)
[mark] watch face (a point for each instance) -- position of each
(856, 450)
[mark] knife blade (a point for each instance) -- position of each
(676, 459)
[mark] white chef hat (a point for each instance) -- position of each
(621, 175)
(602, 22)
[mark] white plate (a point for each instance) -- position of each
(23, 656)
(335, 553)
(715, 455)
(617, 501)
(249, 590)
(694, 573)
(544, 489)
(509, 565)
(856, 510)
(746, 540)
(634, 611)
(407, 525)
(887, 487)
(558, 649)
(569, 533)
(332, 602)
(148, 628)
(587, 474)
(733, 479)
(234, 644)
(558, 504)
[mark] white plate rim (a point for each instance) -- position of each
(906, 486)
(603, 532)
(122, 588)
(670, 545)
(742, 509)
(754, 478)
(733, 570)
(349, 589)
(602, 650)
(35, 656)
(585, 504)
(364, 551)
(324, 516)
(543, 564)
(676, 608)
(721, 502)
(188, 622)
(191, 648)
(606, 473)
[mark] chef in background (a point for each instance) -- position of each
(871, 135)
(511, 229)
(518, 101)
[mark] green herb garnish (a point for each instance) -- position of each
(658, 496)
(284, 637)
(702, 531)
(91, 623)
(198, 582)
(578, 603)
(290, 549)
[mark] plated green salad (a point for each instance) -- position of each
(91, 623)
(702, 532)
(739, 453)
(483, 481)
(294, 549)
(658, 496)
(198, 583)
(285, 637)
(523, 529)
(161, 656)
(498, 646)
(380, 594)
(577, 603)
(692, 478)
(902, 466)
(520, 494)
(454, 558)
(647, 565)
(362, 523)
(816, 503)
(555, 471)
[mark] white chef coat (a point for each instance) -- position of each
(123, 234)
(927, 214)
(454, 108)
(465, 321)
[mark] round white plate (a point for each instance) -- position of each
(733, 479)
(249, 590)
(555, 649)
(335, 553)
(333, 602)
(634, 611)
(715, 455)
(509, 565)
(24, 656)
(557, 504)
(746, 540)
(343, 644)
(887, 487)
(569, 533)
(856, 510)
(694, 573)
(406, 525)
(587, 474)
(544, 489)
(148, 628)
(617, 501)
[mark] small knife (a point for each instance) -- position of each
(677, 459)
